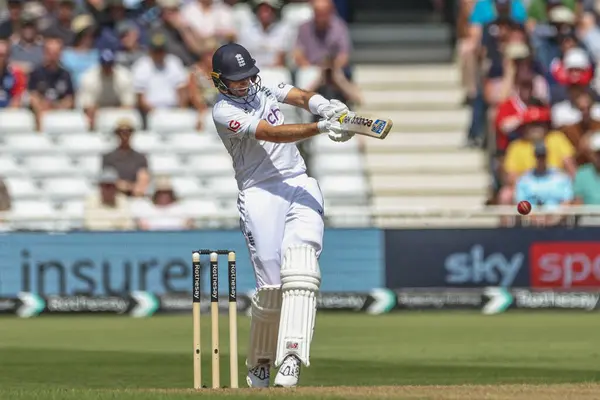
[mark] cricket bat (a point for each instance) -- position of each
(366, 126)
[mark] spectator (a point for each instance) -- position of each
(27, 50)
(588, 29)
(165, 213)
(578, 119)
(106, 85)
(108, 210)
(131, 166)
(12, 80)
(12, 25)
(573, 71)
(130, 50)
(147, 14)
(82, 55)
(210, 19)
(60, 25)
(181, 39)
(333, 84)
(201, 90)
(484, 13)
(543, 186)
(266, 37)
(50, 86)
(545, 38)
(587, 180)
(325, 37)
(466, 51)
(520, 152)
(159, 79)
(113, 14)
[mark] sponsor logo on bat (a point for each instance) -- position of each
(356, 120)
(378, 126)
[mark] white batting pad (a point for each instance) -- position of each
(265, 312)
(301, 279)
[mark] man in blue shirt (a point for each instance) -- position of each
(486, 11)
(544, 187)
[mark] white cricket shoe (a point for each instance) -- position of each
(259, 376)
(289, 372)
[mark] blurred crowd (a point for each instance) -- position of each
(148, 55)
(529, 70)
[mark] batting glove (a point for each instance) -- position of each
(334, 110)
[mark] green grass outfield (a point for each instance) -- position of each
(400, 356)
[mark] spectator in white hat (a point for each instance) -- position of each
(164, 213)
(107, 209)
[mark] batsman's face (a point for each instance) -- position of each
(239, 88)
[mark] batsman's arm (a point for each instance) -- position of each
(288, 133)
(310, 101)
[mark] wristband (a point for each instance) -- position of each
(316, 103)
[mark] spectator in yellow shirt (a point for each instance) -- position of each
(520, 153)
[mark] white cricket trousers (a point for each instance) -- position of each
(276, 214)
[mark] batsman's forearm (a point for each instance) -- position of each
(287, 133)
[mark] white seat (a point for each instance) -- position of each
(166, 164)
(22, 188)
(225, 189)
(307, 76)
(185, 187)
(9, 167)
(202, 211)
(74, 211)
(275, 76)
(106, 118)
(322, 144)
(89, 166)
(211, 165)
(59, 122)
(194, 142)
(147, 143)
(84, 143)
(208, 123)
(29, 143)
(324, 164)
(66, 188)
(16, 120)
(345, 189)
(46, 166)
(297, 13)
(164, 121)
(33, 215)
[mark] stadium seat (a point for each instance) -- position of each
(324, 164)
(28, 143)
(275, 76)
(9, 167)
(89, 166)
(211, 165)
(22, 189)
(165, 121)
(167, 164)
(345, 189)
(33, 215)
(47, 166)
(66, 188)
(199, 208)
(186, 187)
(297, 13)
(106, 118)
(194, 143)
(224, 189)
(322, 144)
(16, 120)
(84, 144)
(60, 122)
(74, 210)
(209, 124)
(147, 142)
(307, 76)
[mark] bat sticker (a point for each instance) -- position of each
(378, 126)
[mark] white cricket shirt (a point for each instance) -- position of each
(255, 160)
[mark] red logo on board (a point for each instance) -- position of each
(565, 265)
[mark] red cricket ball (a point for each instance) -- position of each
(524, 207)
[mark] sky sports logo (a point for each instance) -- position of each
(565, 265)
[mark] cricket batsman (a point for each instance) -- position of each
(280, 207)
